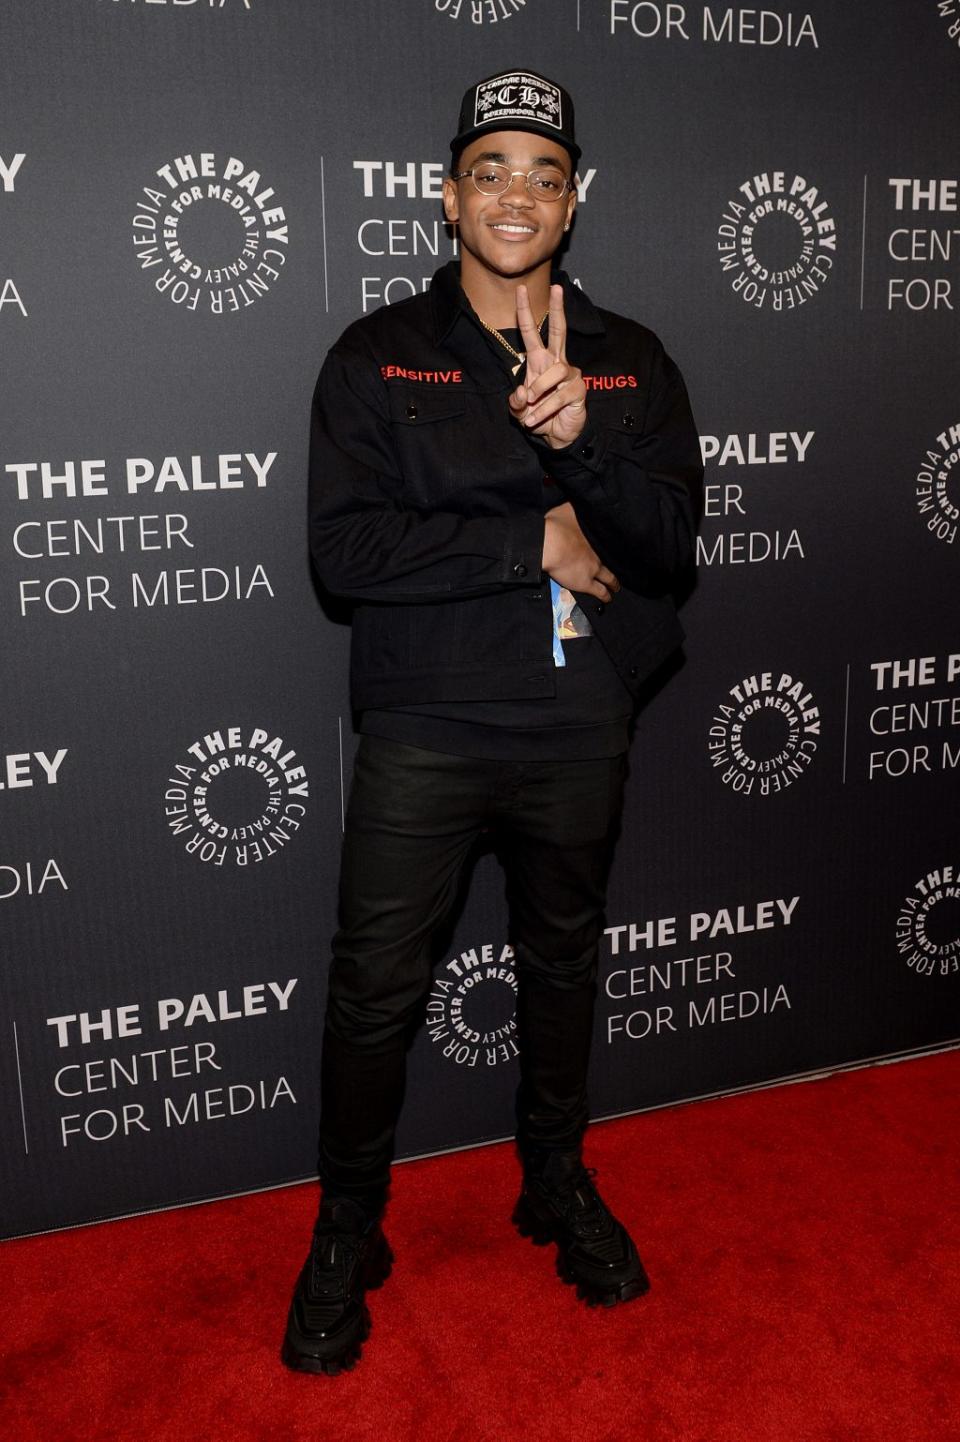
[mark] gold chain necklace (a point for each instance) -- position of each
(519, 356)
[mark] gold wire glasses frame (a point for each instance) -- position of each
(543, 183)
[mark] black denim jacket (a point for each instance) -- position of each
(427, 499)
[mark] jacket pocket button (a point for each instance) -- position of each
(519, 569)
(411, 413)
(628, 419)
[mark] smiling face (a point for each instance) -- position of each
(512, 235)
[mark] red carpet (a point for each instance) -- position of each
(802, 1244)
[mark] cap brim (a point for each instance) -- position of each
(529, 126)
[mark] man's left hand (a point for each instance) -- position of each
(552, 401)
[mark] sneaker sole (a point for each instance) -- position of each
(343, 1361)
(595, 1294)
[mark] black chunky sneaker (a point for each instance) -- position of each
(559, 1203)
(329, 1320)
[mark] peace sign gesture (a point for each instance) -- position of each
(552, 401)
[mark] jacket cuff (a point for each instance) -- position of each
(523, 552)
(583, 458)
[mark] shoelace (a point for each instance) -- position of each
(578, 1198)
(333, 1254)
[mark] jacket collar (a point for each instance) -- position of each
(448, 302)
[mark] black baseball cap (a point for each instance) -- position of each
(517, 100)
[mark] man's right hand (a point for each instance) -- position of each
(570, 559)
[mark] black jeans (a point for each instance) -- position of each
(414, 816)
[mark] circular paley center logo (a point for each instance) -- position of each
(238, 796)
(478, 12)
(210, 233)
(928, 926)
(937, 477)
(765, 733)
(472, 1009)
(777, 241)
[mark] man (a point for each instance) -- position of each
(504, 481)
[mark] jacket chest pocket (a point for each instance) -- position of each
(460, 450)
(429, 431)
(620, 416)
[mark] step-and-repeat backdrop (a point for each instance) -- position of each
(196, 196)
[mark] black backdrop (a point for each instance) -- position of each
(196, 197)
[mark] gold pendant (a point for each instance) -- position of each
(515, 370)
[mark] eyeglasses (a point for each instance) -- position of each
(544, 183)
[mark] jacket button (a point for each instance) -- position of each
(411, 413)
(519, 569)
(628, 419)
(587, 453)
(599, 608)
(536, 596)
(634, 671)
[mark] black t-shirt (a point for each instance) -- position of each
(588, 717)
